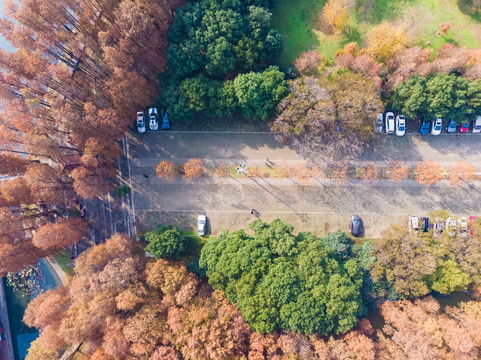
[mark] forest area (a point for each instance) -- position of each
(81, 70)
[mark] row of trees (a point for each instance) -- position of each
(192, 169)
(79, 72)
(439, 96)
(26, 201)
(90, 66)
(255, 94)
(120, 304)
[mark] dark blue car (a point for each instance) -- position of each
(425, 125)
(165, 119)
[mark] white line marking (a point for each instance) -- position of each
(210, 132)
(272, 212)
(130, 177)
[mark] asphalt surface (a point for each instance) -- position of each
(322, 206)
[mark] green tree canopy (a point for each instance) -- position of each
(259, 93)
(215, 37)
(280, 280)
(166, 242)
(439, 96)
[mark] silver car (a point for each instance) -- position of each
(451, 226)
(378, 123)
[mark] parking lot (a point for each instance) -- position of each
(321, 207)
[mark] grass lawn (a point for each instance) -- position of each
(297, 21)
(63, 260)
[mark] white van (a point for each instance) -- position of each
(389, 122)
(477, 125)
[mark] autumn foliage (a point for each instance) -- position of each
(397, 171)
(428, 172)
(193, 168)
(308, 62)
(304, 173)
(462, 172)
(370, 172)
(64, 232)
(167, 169)
(336, 13)
(339, 173)
(282, 170)
(121, 305)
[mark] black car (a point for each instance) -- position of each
(425, 224)
(355, 225)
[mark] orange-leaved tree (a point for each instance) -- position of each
(64, 232)
(339, 173)
(308, 62)
(428, 172)
(167, 169)
(397, 171)
(303, 173)
(461, 172)
(282, 170)
(254, 171)
(370, 172)
(222, 170)
(193, 168)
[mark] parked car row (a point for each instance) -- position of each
(153, 120)
(452, 225)
(398, 125)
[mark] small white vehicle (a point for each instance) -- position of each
(414, 224)
(437, 126)
(201, 225)
(463, 226)
(389, 122)
(451, 226)
(400, 125)
(477, 125)
(141, 122)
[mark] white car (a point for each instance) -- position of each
(141, 122)
(437, 126)
(414, 224)
(477, 125)
(463, 226)
(451, 226)
(400, 125)
(153, 119)
(201, 224)
(389, 122)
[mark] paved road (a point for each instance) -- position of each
(323, 206)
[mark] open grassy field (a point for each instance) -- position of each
(297, 20)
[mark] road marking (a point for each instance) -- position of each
(130, 177)
(272, 212)
(211, 132)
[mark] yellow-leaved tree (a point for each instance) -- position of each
(385, 39)
(336, 13)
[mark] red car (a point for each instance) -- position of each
(464, 128)
(472, 220)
